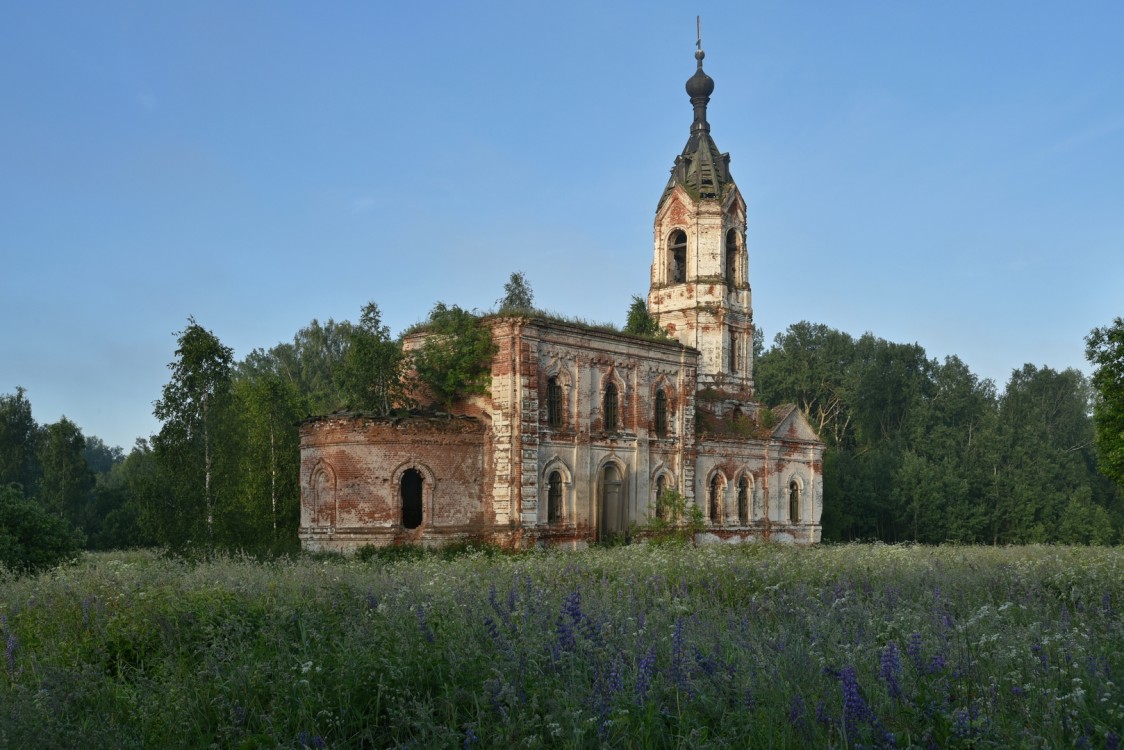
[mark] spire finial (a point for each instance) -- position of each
(699, 54)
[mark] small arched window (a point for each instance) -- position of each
(612, 412)
(794, 501)
(743, 501)
(661, 506)
(661, 413)
(412, 483)
(554, 498)
(731, 257)
(677, 252)
(715, 499)
(735, 353)
(554, 402)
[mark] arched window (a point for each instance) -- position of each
(412, 483)
(554, 498)
(661, 413)
(731, 257)
(612, 412)
(735, 353)
(553, 402)
(677, 251)
(743, 501)
(794, 501)
(661, 507)
(715, 499)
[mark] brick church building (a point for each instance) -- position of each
(582, 429)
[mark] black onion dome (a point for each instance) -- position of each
(700, 84)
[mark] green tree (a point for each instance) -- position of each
(67, 482)
(455, 359)
(191, 410)
(314, 362)
(1104, 348)
(640, 322)
(372, 367)
(30, 537)
(517, 295)
(19, 462)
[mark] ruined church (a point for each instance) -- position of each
(582, 429)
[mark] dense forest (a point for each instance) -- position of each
(917, 450)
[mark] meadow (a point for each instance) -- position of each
(646, 645)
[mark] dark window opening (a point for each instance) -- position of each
(715, 489)
(661, 506)
(554, 498)
(412, 498)
(678, 245)
(554, 402)
(734, 353)
(793, 501)
(731, 257)
(661, 413)
(612, 416)
(743, 501)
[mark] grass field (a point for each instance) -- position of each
(636, 646)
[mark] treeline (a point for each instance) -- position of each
(921, 450)
(223, 471)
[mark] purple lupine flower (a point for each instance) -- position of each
(677, 672)
(12, 645)
(1038, 651)
(937, 663)
(616, 677)
(644, 674)
(372, 600)
(796, 712)
(1065, 616)
(891, 667)
(1106, 604)
(822, 716)
(913, 650)
(1112, 741)
(565, 630)
(86, 612)
(470, 738)
(855, 709)
(423, 626)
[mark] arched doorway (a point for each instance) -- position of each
(412, 483)
(612, 519)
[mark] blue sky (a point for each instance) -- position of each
(949, 173)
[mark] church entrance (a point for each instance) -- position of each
(612, 518)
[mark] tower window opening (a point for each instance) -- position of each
(731, 257)
(794, 501)
(661, 413)
(678, 247)
(612, 412)
(553, 402)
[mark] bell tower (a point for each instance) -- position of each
(700, 269)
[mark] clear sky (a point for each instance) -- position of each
(950, 173)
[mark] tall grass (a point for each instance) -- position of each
(634, 646)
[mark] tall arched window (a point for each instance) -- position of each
(661, 507)
(731, 257)
(743, 501)
(677, 252)
(661, 413)
(794, 501)
(554, 402)
(715, 499)
(735, 353)
(412, 483)
(554, 497)
(612, 412)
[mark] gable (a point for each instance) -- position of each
(792, 425)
